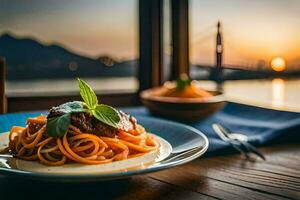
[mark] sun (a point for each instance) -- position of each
(278, 64)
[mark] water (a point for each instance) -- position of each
(69, 86)
(276, 94)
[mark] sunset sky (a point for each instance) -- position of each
(90, 27)
(253, 30)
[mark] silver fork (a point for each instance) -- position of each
(238, 141)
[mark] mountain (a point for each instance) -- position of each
(29, 59)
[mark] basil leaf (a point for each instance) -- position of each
(87, 94)
(182, 82)
(73, 107)
(107, 115)
(58, 126)
(69, 107)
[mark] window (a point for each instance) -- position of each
(48, 43)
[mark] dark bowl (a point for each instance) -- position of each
(181, 109)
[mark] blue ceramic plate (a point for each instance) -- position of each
(179, 144)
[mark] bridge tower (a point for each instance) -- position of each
(219, 47)
(216, 72)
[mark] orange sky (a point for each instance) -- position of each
(252, 30)
(89, 27)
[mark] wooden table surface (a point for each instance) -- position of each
(219, 177)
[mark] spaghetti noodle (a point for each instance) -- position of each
(34, 144)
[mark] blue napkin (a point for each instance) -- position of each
(260, 125)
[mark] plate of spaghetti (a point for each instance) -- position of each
(87, 140)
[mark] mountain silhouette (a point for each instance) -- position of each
(29, 59)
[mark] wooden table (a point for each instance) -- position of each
(220, 177)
